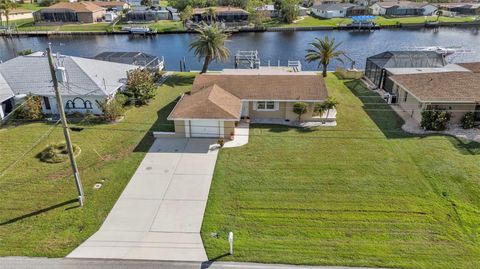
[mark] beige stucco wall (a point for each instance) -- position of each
(228, 127)
(179, 128)
(456, 110)
(285, 111)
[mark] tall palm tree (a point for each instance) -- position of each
(211, 14)
(210, 44)
(324, 50)
(5, 7)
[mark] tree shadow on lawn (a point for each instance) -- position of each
(178, 81)
(390, 123)
(40, 211)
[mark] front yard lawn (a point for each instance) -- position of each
(363, 193)
(38, 216)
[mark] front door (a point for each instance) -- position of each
(245, 109)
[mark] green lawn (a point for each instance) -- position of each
(30, 6)
(160, 26)
(310, 21)
(91, 27)
(37, 214)
(363, 193)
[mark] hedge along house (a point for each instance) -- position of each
(380, 67)
(83, 81)
(456, 90)
(218, 101)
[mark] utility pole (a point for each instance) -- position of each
(61, 111)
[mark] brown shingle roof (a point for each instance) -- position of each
(474, 67)
(77, 7)
(442, 87)
(210, 103)
(267, 87)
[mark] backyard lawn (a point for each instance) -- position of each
(38, 213)
(90, 27)
(363, 193)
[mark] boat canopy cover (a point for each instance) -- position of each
(365, 18)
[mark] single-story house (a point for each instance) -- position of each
(218, 101)
(65, 12)
(467, 9)
(269, 10)
(174, 14)
(403, 8)
(231, 16)
(112, 5)
(85, 81)
(338, 10)
(458, 92)
(17, 14)
(148, 14)
(6, 98)
(309, 3)
(380, 67)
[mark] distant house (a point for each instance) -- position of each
(134, 3)
(148, 14)
(84, 82)
(380, 67)
(112, 5)
(175, 15)
(467, 9)
(403, 8)
(456, 91)
(230, 16)
(144, 60)
(64, 12)
(338, 10)
(218, 101)
(269, 10)
(17, 14)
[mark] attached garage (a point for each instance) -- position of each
(206, 128)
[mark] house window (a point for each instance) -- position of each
(405, 97)
(266, 105)
(46, 101)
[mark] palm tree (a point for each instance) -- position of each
(186, 15)
(439, 13)
(5, 7)
(211, 14)
(327, 105)
(210, 44)
(324, 50)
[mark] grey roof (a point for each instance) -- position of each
(402, 59)
(127, 57)
(5, 90)
(333, 6)
(30, 74)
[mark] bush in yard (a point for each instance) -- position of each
(300, 108)
(435, 120)
(57, 153)
(468, 120)
(111, 109)
(140, 88)
(31, 109)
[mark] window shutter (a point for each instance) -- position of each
(277, 104)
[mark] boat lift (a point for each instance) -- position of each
(247, 58)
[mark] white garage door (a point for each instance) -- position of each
(204, 128)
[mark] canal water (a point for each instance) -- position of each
(271, 46)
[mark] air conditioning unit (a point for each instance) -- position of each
(390, 98)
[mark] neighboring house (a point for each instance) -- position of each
(218, 101)
(380, 67)
(269, 10)
(148, 14)
(83, 82)
(231, 16)
(308, 3)
(17, 14)
(144, 60)
(174, 14)
(458, 92)
(64, 12)
(403, 8)
(6, 98)
(134, 3)
(467, 9)
(338, 10)
(112, 5)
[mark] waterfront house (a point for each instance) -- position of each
(403, 8)
(269, 10)
(341, 10)
(218, 101)
(144, 60)
(82, 82)
(455, 9)
(456, 91)
(148, 14)
(230, 16)
(65, 12)
(17, 14)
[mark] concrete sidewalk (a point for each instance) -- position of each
(160, 212)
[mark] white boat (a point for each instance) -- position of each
(139, 30)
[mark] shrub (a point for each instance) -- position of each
(111, 109)
(140, 88)
(435, 120)
(57, 153)
(31, 109)
(25, 52)
(300, 108)
(468, 120)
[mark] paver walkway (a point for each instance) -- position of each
(160, 212)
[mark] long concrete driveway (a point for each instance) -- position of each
(160, 212)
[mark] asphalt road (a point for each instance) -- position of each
(65, 263)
